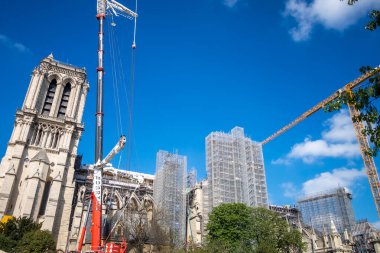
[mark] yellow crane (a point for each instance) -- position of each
(369, 163)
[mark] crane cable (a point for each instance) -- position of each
(115, 82)
(118, 114)
(132, 91)
(129, 96)
(134, 30)
(119, 119)
(117, 67)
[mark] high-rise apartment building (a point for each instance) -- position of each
(169, 192)
(37, 170)
(235, 170)
(319, 210)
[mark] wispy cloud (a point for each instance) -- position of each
(230, 3)
(289, 190)
(338, 140)
(376, 224)
(331, 14)
(6, 41)
(340, 177)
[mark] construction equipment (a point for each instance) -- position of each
(113, 8)
(96, 195)
(369, 163)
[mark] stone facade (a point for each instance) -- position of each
(195, 223)
(121, 190)
(366, 237)
(37, 170)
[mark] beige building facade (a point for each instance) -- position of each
(195, 233)
(37, 170)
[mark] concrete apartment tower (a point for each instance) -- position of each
(169, 192)
(37, 170)
(235, 170)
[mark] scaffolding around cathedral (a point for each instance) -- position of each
(319, 209)
(169, 192)
(235, 169)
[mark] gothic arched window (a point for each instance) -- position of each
(64, 101)
(49, 98)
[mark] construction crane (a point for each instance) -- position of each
(369, 163)
(104, 7)
(96, 194)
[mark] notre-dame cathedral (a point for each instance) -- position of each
(37, 170)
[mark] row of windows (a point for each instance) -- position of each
(50, 98)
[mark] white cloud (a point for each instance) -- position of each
(289, 190)
(230, 3)
(284, 161)
(6, 41)
(340, 129)
(338, 140)
(310, 150)
(341, 177)
(331, 14)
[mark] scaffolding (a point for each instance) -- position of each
(319, 209)
(169, 193)
(235, 169)
(191, 179)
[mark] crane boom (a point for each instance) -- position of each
(369, 163)
(118, 147)
(318, 106)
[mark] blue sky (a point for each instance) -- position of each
(210, 65)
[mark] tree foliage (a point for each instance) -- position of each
(374, 22)
(36, 241)
(230, 225)
(235, 227)
(16, 228)
(364, 99)
(23, 235)
(271, 233)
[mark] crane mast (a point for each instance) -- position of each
(368, 161)
(96, 195)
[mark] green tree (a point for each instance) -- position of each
(16, 228)
(230, 227)
(272, 234)
(36, 241)
(364, 98)
(239, 228)
(14, 233)
(7, 244)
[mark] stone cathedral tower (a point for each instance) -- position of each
(37, 170)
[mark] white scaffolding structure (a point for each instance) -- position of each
(319, 209)
(235, 169)
(191, 179)
(169, 192)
